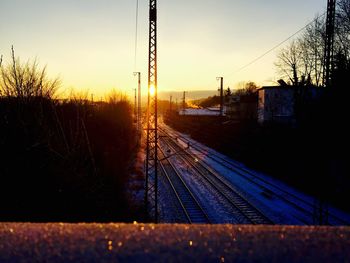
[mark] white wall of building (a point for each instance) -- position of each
(276, 104)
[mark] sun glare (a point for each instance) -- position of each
(152, 90)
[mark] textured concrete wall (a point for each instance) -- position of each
(171, 243)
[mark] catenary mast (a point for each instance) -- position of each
(151, 193)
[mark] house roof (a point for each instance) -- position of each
(276, 87)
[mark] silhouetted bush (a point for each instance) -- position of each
(61, 160)
(26, 81)
(64, 161)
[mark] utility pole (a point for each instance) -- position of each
(171, 102)
(151, 191)
(184, 101)
(221, 79)
(138, 112)
(135, 105)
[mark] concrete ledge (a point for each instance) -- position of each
(24, 242)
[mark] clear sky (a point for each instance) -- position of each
(90, 43)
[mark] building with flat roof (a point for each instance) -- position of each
(278, 103)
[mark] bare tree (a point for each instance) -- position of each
(302, 61)
(113, 97)
(312, 45)
(26, 80)
(290, 63)
(246, 88)
(342, 30)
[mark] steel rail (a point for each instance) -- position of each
(249, 211)
(175, 193)
(191, 207)
(247, 174)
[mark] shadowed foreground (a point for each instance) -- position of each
(171, 243)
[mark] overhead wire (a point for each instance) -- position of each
(136, 34)
(275, 47)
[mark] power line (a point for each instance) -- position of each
(272, 49)
(136, 33)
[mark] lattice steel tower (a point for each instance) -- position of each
(151, 193)
(321, 209)
(329, 43)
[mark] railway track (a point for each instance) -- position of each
(246, 210)
(191, 210)
(270, 189)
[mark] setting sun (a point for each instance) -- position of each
(187, 131)
(152, 90)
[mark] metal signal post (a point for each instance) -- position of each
(138, 106)
(151, 193)
(135, 105)
(184, 101)
(221, 95)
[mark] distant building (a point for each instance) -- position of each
(243, 107)
(278, 103)
(212, 111)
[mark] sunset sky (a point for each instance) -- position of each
(90, 43)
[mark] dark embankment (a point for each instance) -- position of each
(65, 161)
